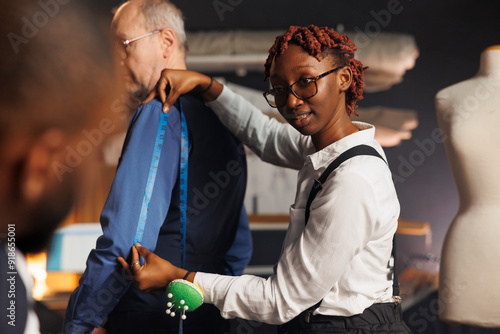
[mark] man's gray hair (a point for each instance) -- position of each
(161, 14)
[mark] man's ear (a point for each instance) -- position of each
(168, 41)
(345, 78)
(37, 173)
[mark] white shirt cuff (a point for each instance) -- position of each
(206, 282)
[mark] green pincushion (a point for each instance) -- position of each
(183, 296)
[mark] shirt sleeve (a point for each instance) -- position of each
(341, 222)
(274, 142)
(104, 281)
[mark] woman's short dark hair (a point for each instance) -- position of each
(321, 42)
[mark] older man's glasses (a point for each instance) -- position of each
(126, 43)
(303, 89)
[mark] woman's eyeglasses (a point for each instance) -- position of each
(302, 89)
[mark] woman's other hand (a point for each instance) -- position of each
(156, 272)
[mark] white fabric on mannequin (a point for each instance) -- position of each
(469, 115)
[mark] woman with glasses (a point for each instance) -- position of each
(335, 272)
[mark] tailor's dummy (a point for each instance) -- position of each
(469, 115)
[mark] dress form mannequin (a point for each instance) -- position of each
(469, 116)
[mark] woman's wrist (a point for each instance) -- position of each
(180, 273)
(209, 88)
(188, 275)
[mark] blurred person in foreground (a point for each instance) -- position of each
(57, 83)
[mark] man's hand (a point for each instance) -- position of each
(156, 272)
(99, 330)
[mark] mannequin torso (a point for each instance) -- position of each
(469, 115)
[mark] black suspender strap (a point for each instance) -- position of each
(395, 283)
(352, 152)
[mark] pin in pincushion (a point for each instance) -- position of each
(183, 296)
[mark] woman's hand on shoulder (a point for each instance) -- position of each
(174, 83)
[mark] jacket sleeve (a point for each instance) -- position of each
(104, 282)
(239, 255)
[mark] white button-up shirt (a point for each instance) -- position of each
(342, 255)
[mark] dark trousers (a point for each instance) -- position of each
(205, 319)
(378, 318)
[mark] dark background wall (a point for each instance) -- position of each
(450, 36)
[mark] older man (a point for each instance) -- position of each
(54, 88)
(149, 37)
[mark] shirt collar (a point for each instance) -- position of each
(332, 151)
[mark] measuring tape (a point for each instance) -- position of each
(183, 188)
(183, 173)
(153, 170)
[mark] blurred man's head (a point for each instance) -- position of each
(57, 86)
(154, 36)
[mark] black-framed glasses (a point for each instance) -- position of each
(302, 89)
